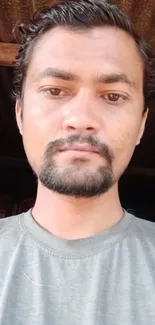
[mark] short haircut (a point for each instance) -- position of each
(80, 15)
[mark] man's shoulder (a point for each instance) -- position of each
(143, 222)
(10, 228)
(9, 222)
(143, 228)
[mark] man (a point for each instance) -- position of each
(83, 82)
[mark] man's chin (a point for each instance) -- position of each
(76, 182)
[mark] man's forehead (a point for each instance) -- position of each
(64, 42)
(61, 48)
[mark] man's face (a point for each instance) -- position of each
(82, 109)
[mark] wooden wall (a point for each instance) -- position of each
(142, 12)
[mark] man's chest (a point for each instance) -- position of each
(74, 293)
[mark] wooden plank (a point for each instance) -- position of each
(8, 51)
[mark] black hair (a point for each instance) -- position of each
(80, 14)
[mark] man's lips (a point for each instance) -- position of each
(79, 147)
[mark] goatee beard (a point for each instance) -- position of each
(77, 179)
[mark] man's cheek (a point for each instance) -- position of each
(126, 141)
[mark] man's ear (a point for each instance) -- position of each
(142, 127)
(18, 112)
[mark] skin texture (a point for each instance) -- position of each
(102, 61)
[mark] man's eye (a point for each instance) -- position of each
(54, 92)
(114, 97)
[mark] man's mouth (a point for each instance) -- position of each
(79, 147)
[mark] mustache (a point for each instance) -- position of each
(56, 145)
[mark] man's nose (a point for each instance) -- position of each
(81, 115)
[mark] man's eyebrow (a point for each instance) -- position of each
(116, 78)
(105, 78)
(56, 73)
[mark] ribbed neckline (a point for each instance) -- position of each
(77, 247)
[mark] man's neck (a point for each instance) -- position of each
(75, 218)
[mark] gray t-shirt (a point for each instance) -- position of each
(108, 279)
